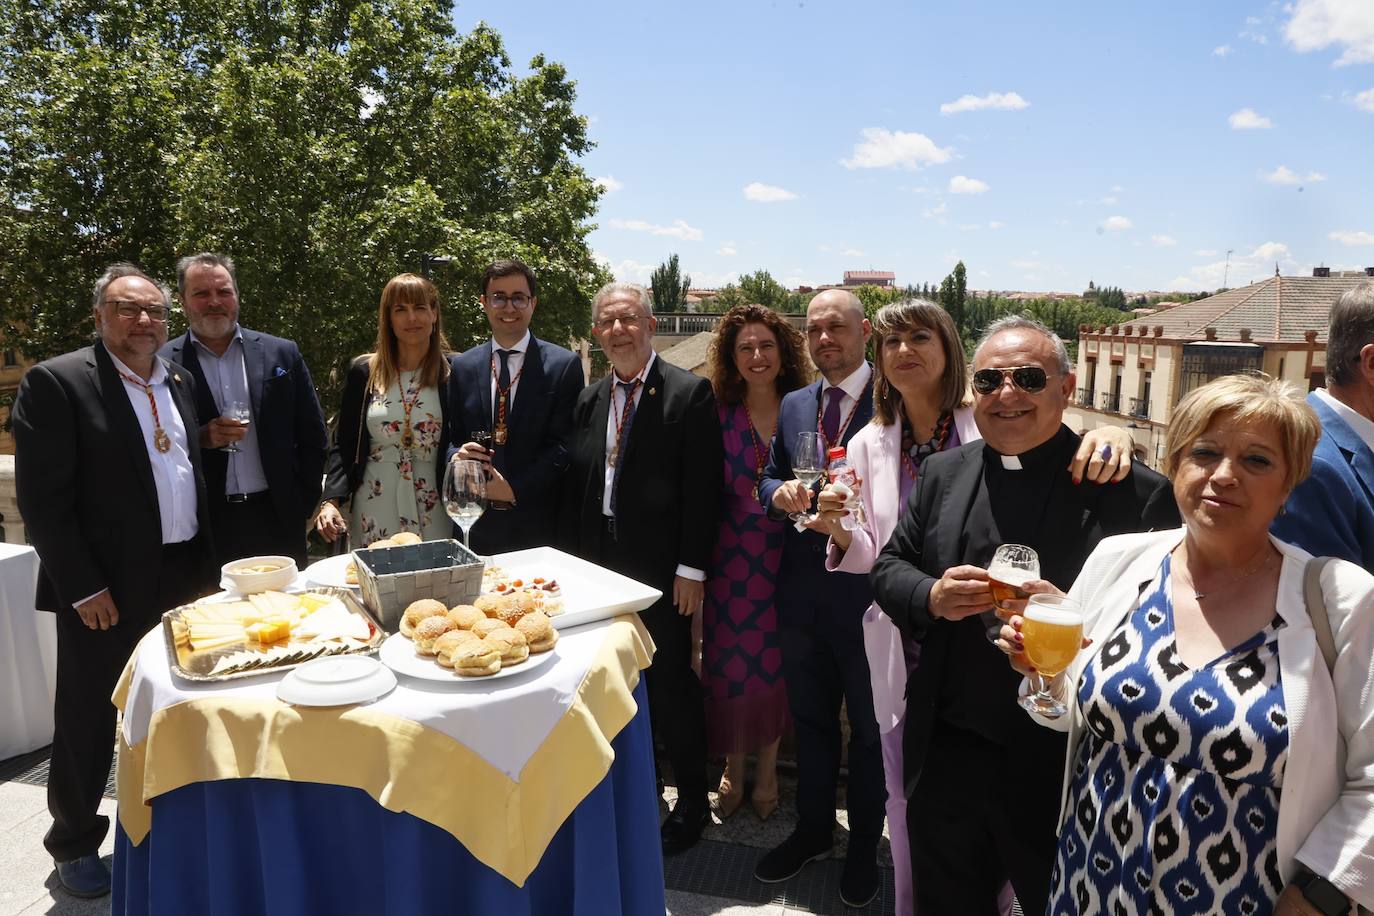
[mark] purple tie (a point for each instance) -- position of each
(830, 423)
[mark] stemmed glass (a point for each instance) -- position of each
(1012, 566)
(240, 412)
(465, 494)
(808, 464)
(1051, 634)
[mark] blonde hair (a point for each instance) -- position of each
(407, 289)
(907, 315)
(1256, 398)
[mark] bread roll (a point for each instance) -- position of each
(486, 626)
(402, 538)
(430, 629)
(488, 604)
(418, 611)
(445, 645)
(476, 659)
(465, 615)
(538, 631)
(511, 644)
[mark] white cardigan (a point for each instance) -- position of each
(1326, 808)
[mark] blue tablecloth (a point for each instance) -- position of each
(261, 846)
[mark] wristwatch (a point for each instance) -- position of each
(1321, 893)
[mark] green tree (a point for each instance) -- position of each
(327, 145)
(727, 297)
(669, 287)
(760, 287)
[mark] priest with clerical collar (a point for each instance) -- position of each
(965, 735)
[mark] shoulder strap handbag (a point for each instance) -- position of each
(1316, 608)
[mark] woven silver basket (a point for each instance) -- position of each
(393, 577)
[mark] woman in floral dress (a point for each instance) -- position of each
(387, 462)
(756, 358)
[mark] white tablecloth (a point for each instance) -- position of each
(28, 656)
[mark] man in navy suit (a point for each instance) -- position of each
(520, 391)
(820, 616)
(264, 490)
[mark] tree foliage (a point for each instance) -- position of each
(325, 144)
(760, 287)
(669, 287)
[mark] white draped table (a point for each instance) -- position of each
(28, 656)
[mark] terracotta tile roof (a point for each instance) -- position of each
(869, 275)
(1277, 309)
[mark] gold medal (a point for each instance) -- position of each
(499, 435)
(407, 438)
(161, 441)
(612, 455)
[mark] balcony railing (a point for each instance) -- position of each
(1140, 407)
(1109, 402)
(1085, 397)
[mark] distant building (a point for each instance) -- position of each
(1132, 374)
(869, 278)
(12, 367)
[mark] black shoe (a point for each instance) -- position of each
(787, 860)
(683, 827)
(859, 880)
(84, 877)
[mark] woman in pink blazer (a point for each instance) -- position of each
(920, 406)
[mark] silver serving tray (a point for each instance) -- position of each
(191, 665)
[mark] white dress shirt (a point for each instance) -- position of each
(227, 378)
(853, 386)
(514, 363)
(612, 434)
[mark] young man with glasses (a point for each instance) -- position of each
(107, 466)
(964, 730)
(514, 395)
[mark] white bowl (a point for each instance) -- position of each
(235, 573)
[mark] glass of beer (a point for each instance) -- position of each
(1051, 635)
(1012, 566)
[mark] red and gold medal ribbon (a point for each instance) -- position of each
(161, 441)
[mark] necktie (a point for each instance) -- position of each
(622, 437)
(830, 423)
(502, 384)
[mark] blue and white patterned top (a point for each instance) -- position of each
(1174, 804)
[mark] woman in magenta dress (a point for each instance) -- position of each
(756, 358)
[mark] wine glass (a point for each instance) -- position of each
(241, 413)
(465, 494)
(1051, 634)
(483, 438)
(808, 464)
(1012, 566)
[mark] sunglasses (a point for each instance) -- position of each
(1030, 379)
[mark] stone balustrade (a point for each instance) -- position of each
(9, 503)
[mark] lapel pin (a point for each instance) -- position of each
(653, 391)
(176, 377)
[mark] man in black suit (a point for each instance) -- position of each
(820, 616)
(519, 391)
(262, 477)
(643, 498)
(965, 735)
(108, 473)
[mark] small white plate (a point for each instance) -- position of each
(330, 571)
(398, 654)
(339, 680)
(294, 585)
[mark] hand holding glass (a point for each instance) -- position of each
(1051, 635)
(465, 494)
(240, 412)
(1012, 566)
(808, 464)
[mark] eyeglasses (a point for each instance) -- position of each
(501, 300)
(607, 322)
(127, 308)
(1030, 379)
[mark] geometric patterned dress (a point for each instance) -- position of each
(741, 670)
(1175, 795)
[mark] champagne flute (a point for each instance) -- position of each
(1051, 634)
(241, 413)
(465, 494)
(808, 464)
(1012, 566)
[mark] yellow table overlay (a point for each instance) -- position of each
(506, 824)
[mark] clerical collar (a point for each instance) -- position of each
(1046, 454)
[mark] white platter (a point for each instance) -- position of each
(398, 654)
(336, 681)
(589, 592)
(330, 571)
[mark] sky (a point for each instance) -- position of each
(1045, 144)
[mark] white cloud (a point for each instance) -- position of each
(996, 101)
(1244, 268)
(727, 249)
(1164, 241)
(678, 230)
(881, 148)
(761, 193)
(1286, 176)
(1221, 50)
(1025, 264)
(1248, 119)
(1117, 224)
(628, 270)
(1352, 237)
(938, 210)
(852, 253)
(1364, 101)
(608, 183)
(996, 224)
(1117, 189)
(961, 184)
(1347, 24)
(1270, 251)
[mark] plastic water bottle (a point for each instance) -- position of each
(845, 479)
